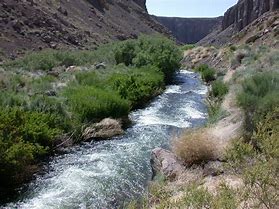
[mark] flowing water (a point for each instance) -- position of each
(107, 173)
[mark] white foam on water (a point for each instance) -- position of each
(192, 112)
(186, 72)
(202, 91)
(173, 89)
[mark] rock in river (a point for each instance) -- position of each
(105, 129)
(166, 163)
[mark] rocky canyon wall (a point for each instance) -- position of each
(189, 30)
(246, 11)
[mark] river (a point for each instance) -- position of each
(105, 174)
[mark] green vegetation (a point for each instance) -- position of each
(207, 73)
(159, 52)
(40, 100)
(49, 59)
(257, 161)
(219, 89)
(90, 103)
(259, 96)
(25, 136)
(187, 47)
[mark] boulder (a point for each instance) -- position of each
(105, 129)
(166, 163)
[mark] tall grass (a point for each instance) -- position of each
(194, 147)
(48, 59)
(92, 104)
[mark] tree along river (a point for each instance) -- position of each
(106, 174)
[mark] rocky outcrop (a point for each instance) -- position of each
(249, 21)
(105, 129)
(32, 25)
(246, 11)
(141, 3)
(166, 163)
(189, 30)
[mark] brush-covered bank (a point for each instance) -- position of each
(52, 96)
(233, 161)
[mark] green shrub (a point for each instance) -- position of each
(89, 103)
(196, 197)
(207, 73)
(233, 48)
(24, 136)
(150, 50)
(258, 163)
(259, 96)
(138, 85)
(201, 68)
(125, 52)
(219, 89)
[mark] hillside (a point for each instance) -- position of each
(190, 30)
(34, 25)
(237, 23)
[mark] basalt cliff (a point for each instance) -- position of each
(248, 20)
(190, 30)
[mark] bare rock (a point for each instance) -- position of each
(166, 163)
(105, 129)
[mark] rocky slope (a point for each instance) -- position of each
(189, 30)
(35, 24)
(247, 21)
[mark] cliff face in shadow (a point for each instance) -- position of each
(189, 30)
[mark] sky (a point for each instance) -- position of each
(189, 8)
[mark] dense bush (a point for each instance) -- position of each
(207, 73)
(138, 85)
(24, 136)
(219, 89)
(157, 51)
(260, 95)
(125, 52)
(89, 103)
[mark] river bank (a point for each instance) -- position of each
(220, 165)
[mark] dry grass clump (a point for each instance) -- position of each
(194, 147)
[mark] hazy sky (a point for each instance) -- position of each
(189, 8)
